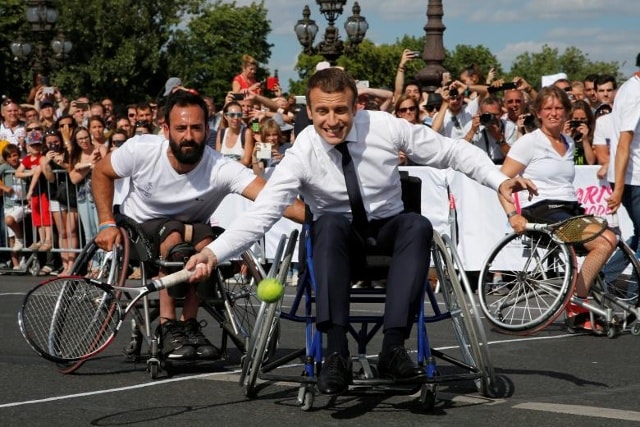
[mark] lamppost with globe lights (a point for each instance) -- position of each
(331, 47)
(42, 16)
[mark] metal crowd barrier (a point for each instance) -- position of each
(67, 214)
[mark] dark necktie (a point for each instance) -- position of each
(359, 222)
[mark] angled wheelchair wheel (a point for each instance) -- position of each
(240, 300)
(622, 275)
(108, 267)
(265, 334)
(462, 314)
(483, 361)
(538, 279)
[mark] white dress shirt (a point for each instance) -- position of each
(313, 169)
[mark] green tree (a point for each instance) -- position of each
(463, 56)
(207, 53)
(377, 64)
(11, 20)
(573, 62)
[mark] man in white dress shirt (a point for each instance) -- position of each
(313, 169)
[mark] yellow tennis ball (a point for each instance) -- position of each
(270, 290)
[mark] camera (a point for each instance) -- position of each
(575, 124)
(82, 106)
(529, 121)
(453, 92)
(415, 53)
(264, 151)
(238, 96)
(487, 119)
(48, 90)
(505, 86)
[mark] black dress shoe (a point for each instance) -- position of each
(336, 375)
(396, 364)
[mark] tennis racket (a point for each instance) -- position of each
(68, 319)
(577, 229)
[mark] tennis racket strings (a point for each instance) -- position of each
(69, 318)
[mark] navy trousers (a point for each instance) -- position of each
(338, 257)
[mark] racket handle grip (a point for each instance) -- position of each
(172, 279)
(532, 226)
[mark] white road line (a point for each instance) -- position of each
(4, 294)
(111, 390)
(586, 411)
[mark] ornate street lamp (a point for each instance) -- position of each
(430, 77)
(42, 16)
(331, 47)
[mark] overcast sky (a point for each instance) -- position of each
(605, 30)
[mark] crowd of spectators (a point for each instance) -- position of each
(51, 143)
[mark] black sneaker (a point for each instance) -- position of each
(173, 341)
(196, 339)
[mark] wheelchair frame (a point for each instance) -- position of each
(461, 308)
(233, 305)
(539, 289)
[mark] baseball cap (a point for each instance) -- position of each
(171, 84)
(34, 137)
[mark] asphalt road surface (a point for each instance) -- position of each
(550, 379)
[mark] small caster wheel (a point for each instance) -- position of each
(635, 329)
(428, 396)
(153, 370)
(612, 332)
(307, 400)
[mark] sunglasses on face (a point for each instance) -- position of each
(431, 108)
(34, 128)
(233, 115)
(406, 109)
(118, 142)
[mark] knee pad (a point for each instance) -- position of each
(179, 253)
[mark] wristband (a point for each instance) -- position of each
(511, 214)
(105, 225)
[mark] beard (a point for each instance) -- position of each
(189, 157)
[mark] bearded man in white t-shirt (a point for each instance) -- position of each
(176, 183)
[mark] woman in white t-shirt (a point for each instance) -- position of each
(234, 140)
(546, 157)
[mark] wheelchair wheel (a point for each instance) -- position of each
(538, 279)
(258, 349)
(622, 275)
(486, 382)
(108, 267)
(465, 328)
(265, 334)
(240, 299)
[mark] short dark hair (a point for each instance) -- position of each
(332, 80)
(9, 150)
(591, 78)
(606, 78)
(184, 98)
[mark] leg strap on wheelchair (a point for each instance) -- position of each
(188, 233)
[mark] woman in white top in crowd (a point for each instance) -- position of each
(234, 140)
(545, 156)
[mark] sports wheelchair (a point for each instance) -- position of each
(469, 360)
(538, 280)
(230, 300)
